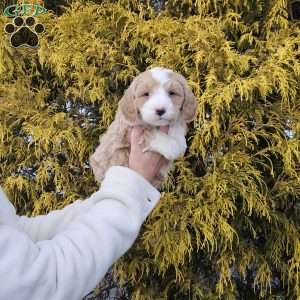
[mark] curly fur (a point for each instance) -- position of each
(114, 144)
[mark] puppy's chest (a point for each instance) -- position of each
(124, 141)
(119, 150)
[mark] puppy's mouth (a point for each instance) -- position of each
(161, 121)
(164, 119)
(157, 121)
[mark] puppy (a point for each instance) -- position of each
(155, 98)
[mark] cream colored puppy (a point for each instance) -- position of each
(155, 98)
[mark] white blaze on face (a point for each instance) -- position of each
(159, 108)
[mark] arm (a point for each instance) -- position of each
(75, 260)
(45, 227)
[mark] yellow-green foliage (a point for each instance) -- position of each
(228, 223)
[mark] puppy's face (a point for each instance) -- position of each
(158, 97)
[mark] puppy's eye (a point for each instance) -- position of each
(171, 93)
(146, 94)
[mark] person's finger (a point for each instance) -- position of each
(136, 132)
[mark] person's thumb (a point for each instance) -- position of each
(135, 134)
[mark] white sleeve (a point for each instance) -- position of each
(71, 264)
(45, 227)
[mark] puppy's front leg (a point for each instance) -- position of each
(166, 145)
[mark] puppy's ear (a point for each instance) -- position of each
(189, 105)
(127, 104)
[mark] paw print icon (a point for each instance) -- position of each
(24, 32)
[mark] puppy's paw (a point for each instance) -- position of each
(171, 153)
(165, 145)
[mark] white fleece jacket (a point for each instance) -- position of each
(63, 255)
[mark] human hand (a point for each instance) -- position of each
(147, 163)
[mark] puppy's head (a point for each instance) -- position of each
(158, 97)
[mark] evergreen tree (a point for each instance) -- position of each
(228, 223)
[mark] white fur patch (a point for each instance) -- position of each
(171, 145)
(160, 74)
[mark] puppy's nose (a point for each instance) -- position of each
(160, 111)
